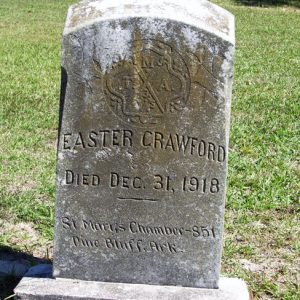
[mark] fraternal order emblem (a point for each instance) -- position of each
(151, 84)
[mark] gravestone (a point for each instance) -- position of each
(143, 146)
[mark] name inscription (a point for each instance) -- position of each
(110, 138)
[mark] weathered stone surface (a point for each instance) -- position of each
(66, 289)
(143, 142)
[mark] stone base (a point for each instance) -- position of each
(68, 289)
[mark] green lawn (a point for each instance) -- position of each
(262, 219)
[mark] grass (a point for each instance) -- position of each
(262, 220)
(268, 3)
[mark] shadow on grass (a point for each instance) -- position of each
(266, 3)
(9, 281)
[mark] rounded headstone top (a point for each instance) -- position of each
(198, 13)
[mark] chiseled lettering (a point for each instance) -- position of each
(68, 223)
(188, 145)
(147, 62)
(79, 141)
(135, 227)
(114, 179)
(84, 242)
(193, 145)
(127, 138)
(72, 178)
(221, 154)
(147, 139)
(170, 143)
(126, 182)
(66, 141)
(164, 247)
(103, 138)
(165, 86)
(211, 151)
(182, 142)
(103, 226)
(115, 137)
(158, 140)
(120, 245)
(202, 148)
(92, 139)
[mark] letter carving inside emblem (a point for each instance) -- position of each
(153, 82)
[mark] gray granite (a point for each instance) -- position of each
(143, 142)
(67, 289)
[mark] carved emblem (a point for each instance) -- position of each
(152, 83)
